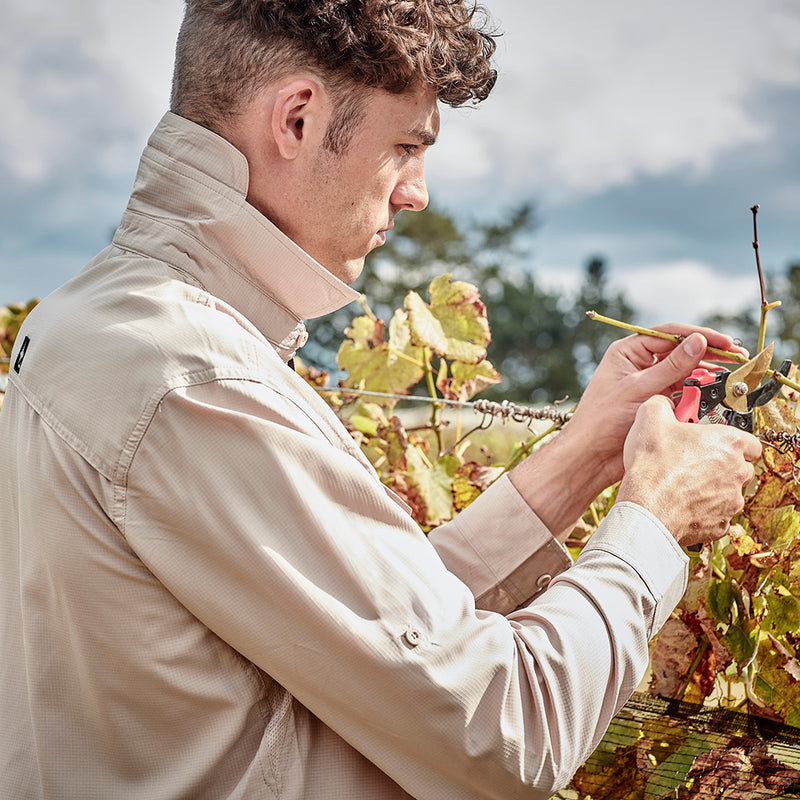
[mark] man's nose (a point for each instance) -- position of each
(411, 193)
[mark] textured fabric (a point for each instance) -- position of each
(207, 592)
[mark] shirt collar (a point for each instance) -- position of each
(188, 208)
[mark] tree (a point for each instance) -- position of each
(591, 339)
(787, 316)
(532, 343)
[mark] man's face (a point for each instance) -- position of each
(345, 204)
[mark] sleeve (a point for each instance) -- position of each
(500, 549)
(290, 551)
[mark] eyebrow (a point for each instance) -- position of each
(426, 136)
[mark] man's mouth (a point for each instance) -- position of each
(383, 231)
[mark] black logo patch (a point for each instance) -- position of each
(21, 354)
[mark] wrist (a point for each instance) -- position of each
(559, 480)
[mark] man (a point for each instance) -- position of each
(206, 592)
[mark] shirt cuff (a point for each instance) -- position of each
(636, 536)
(500, 549)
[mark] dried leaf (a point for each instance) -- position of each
(671, 657)
(467, 380)
(471, 480)
(312, 375)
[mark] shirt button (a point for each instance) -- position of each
(544, 581)
(412, 636)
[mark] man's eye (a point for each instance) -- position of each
(410, 149)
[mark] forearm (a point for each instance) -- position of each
(561, 479)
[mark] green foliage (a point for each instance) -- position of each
(442, 342)
(592, 340)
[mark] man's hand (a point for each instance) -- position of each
(560, 480)
(633, 370)
(690, 476)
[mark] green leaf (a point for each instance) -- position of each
(776, 683)
(771, 491)
(454, 325)
(743, 543)
(783, 615)
(428, 486)
(720, 600)
(377, 365)
(742, 641)
(782, 527)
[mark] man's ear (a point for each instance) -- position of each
(296, 116)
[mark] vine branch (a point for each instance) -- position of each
(677, 338)
(766, 307)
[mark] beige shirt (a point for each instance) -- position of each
(206, 592)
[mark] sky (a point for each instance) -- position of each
(642, 132)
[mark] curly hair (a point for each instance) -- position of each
(230, 49)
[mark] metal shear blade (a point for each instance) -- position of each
(744, 380)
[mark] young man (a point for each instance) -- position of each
(206, 592)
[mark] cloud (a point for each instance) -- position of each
(81, 95)
(594, 95)
(77, 86)
(685, 291)
(666, 291)
(633, 125)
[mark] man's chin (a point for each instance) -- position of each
(348, 271)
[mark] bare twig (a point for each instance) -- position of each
(766, 307)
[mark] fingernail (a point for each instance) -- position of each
(695, 345)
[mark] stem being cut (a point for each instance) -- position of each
(670, 337)
(677, 338)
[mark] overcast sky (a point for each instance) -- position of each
(642, 131)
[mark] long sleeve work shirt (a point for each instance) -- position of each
(205, 590)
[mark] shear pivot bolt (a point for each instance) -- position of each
(740, 389)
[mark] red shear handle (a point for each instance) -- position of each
(688, 409)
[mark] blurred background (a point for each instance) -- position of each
(614, 165)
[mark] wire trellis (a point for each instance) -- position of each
(490, 409)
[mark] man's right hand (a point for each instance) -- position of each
(690, 476)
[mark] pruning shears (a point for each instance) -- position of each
(726, 397)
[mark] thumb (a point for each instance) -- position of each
(655, 410)
(652, 416)
(677, 366)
